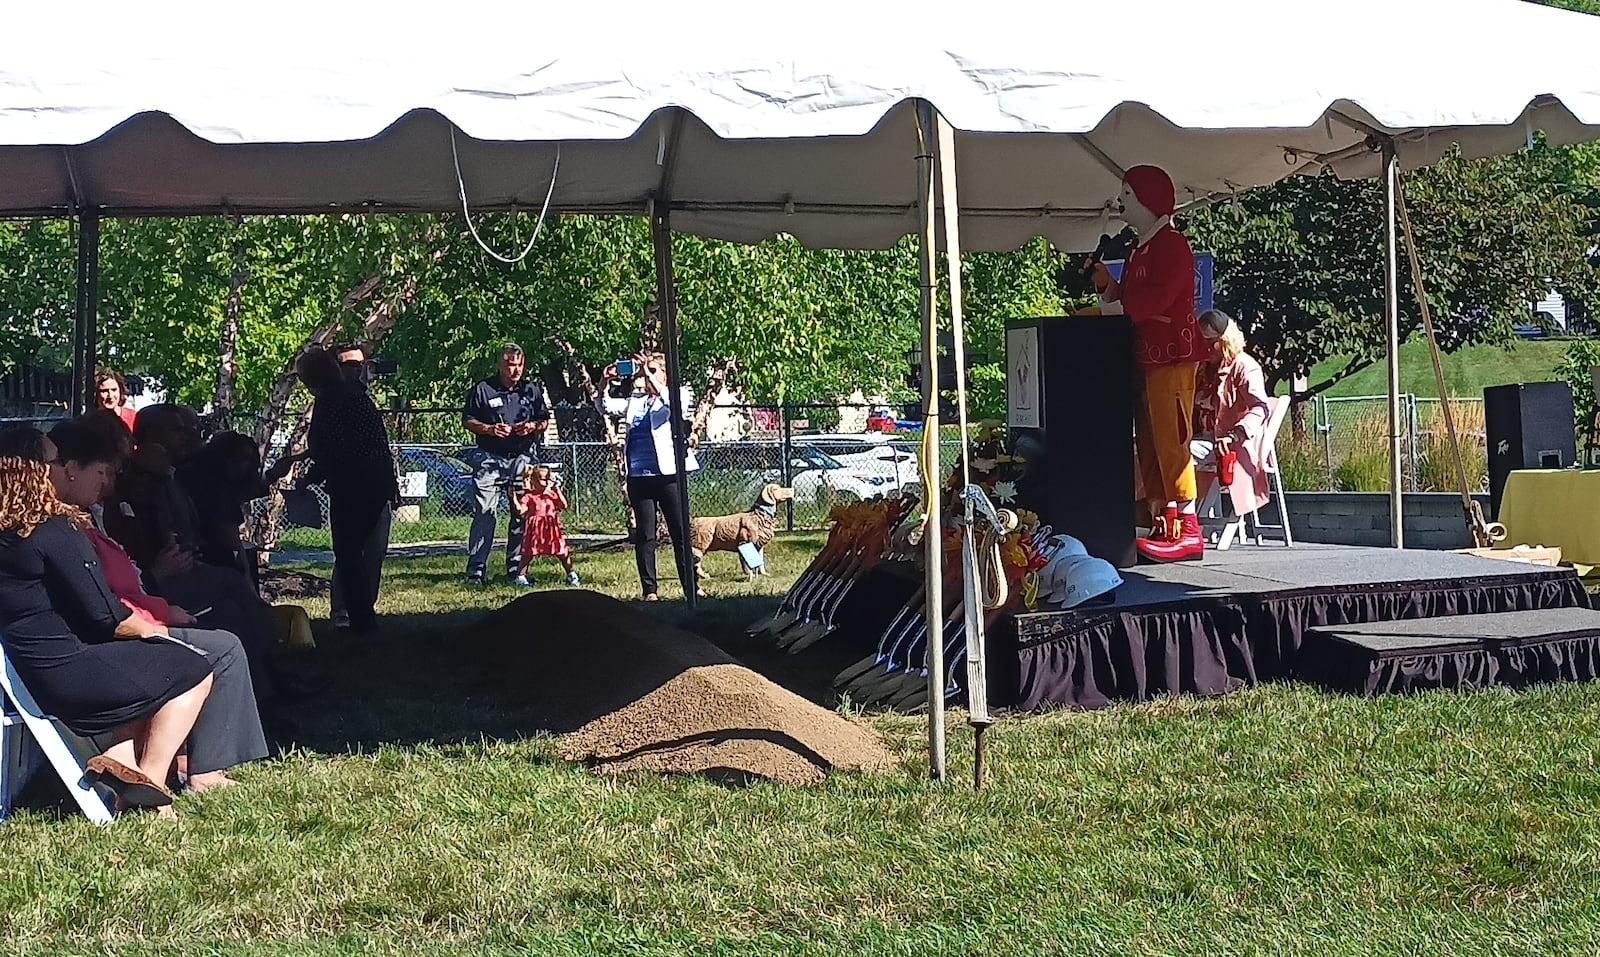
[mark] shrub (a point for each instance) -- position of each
(1301, 465)
(1361, 451)
(1436, 468)
(1362, 472)
(1581, 355)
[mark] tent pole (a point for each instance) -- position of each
(972, 597)
(932, 529)
(667, 303)
(85, 331)
(1391, 315)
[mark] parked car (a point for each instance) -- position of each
(872, 453)
(823, 480)
(449, 479)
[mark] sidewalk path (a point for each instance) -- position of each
(414, 549)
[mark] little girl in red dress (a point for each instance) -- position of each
(541, 504)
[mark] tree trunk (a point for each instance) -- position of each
(227, 349)
(591, 393)
(715, 381)
(1297, 420)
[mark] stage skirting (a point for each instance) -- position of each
(1473, 651)
(1240, 617)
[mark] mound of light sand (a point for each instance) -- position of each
(634, 693)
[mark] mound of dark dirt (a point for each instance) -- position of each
(630, 692)
(279, 584)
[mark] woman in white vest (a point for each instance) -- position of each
(652, 469)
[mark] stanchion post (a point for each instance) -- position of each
(85, 331)
(572, 478)
(787, 451)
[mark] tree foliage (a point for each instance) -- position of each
(37, 277)
(1301, 262)
(806, 325)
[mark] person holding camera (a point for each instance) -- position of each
(651, 465)
(507, 416)
(357, 372)
(349, 450)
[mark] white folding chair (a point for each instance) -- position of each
(20, 717)
(1218, 505)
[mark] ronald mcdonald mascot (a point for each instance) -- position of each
(1156, 292)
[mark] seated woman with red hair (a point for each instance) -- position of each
(86, 658)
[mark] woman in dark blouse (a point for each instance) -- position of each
(76, 647)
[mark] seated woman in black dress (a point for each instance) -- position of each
(228, 731)
(76, 649)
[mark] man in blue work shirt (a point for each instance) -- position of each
(507, 416)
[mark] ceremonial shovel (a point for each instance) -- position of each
(811, 578)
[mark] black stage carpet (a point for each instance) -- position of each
(1514, 649)
(1239, 617)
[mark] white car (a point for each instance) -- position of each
(870, 453)
(819, 479)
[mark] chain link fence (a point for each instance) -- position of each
(831, 454)
(1342, 444)
(803, 447)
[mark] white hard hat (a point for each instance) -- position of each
(1050, 578)
(1059, 552)
(1083, 579)
(1065, 546)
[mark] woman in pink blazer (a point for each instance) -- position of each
(1234, 400)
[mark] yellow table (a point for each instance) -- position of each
(1559, 507)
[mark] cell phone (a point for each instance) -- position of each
(178, 641)
(627, 367)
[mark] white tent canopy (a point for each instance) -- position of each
(802, 124)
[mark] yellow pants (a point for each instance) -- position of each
(1161, 419)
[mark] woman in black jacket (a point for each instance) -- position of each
(78, 649)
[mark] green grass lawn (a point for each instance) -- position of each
(421, 814)
(1466, 372)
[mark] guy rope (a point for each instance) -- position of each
(1484, 533)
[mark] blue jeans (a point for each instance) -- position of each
(492, 476)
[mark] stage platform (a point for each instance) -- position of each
(1511, 649)
(1240, 617)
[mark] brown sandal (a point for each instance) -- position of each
(130, 785)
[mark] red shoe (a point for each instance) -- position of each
(1190, 545)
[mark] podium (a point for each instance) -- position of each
(1069, 413)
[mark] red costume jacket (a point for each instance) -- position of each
(1157, 289)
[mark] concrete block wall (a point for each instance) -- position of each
(1432, 519)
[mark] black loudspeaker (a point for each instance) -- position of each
(1069, 412)
(1527, 426)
